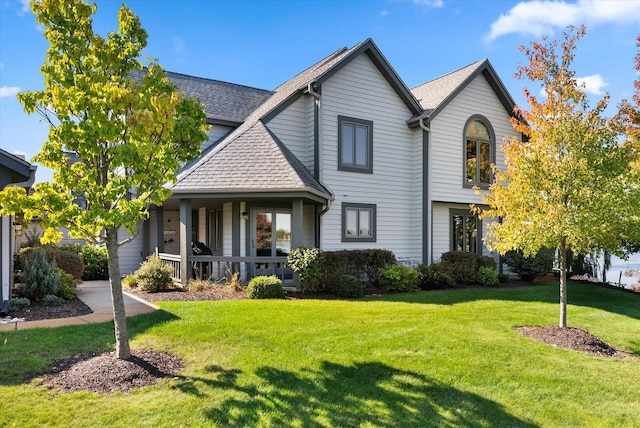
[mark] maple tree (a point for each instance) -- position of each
(569, 184)
(129, 136)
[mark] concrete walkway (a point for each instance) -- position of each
(97, 296)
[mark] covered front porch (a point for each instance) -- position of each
(212, 238)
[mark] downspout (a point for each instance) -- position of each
(422, 125)
(427, 224)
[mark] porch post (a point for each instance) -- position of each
(235, 233)
(185, 240)
(296, 223)
(160, 229)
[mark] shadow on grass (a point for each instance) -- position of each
(30, 352)
(579, 294)
(363, 394)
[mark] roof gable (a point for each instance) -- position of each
(436, 94)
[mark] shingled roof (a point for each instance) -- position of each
(252, 159)
(223, 101)
(435, 94)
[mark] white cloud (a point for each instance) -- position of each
(24, 7)
(178, 45)
(9, 91)
(384, 13)
(541, 17)
(428, 4)
(593, 84)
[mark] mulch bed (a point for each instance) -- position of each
(39, 311)
(107, 374)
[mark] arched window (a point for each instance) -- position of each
(479, 149)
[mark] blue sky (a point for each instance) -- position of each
(264, 43)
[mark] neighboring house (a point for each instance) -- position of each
(14, 171)
(342, 156)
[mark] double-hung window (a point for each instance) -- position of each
(358, 222)
(355, 145)
(479, 151)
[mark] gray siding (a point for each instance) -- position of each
(360, 91)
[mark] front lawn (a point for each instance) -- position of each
(439, 358)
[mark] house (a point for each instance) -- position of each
(14, 171)
(341, 156)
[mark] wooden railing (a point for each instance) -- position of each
(218, 267)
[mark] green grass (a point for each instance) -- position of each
(441, 358)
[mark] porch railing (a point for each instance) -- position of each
(218, 267)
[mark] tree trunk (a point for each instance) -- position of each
(563, 285)
(123, 351)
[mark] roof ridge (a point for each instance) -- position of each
(316, 65)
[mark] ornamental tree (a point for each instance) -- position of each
(629, 116)
(568, 186)
(129, 136)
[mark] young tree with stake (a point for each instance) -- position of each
(130, 136)
(568, 185)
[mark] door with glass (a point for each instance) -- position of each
(271, 237)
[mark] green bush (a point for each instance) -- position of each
(348, 286)
(68, 285)
(130, 281)
(530, 267)
(436, 276)
(307, 262)
(39, 277)
(265, 287)
(153, 275)
(364, 264)
(399, 278)
(463, 266)
(486, 261)
(18, 303)
(487, 277)
(333, 268)
(51, 300)
(67, 260)
(94, 258)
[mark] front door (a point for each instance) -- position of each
(271, 237)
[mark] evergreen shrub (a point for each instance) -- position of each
(399, 278)
(348, 286)
(18, 303)
(265, 287)
(153, 275)
(39, 277)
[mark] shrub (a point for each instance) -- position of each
(462, 265)
(530, 267)
(435, 276)
(265, 287)
(199, 285)
(130, 281)
(487, 277)
(39, 277)
(51, 300)
(94, 259)
(18, 303)
(399, 278)
(153, 275)
(67, 260)
(348, 286)
(333, 268)
(485, 261)
(503, 278)
(68, 285)
(306, 262)
(364, 264)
